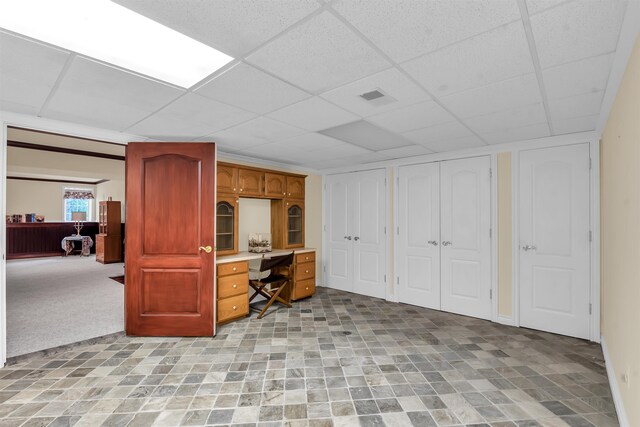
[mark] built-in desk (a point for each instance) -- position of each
(233, 280)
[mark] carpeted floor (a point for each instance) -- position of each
(61, 300)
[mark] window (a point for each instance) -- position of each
(78, 200)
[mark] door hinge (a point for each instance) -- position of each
(490, 233)
(590, 236)
(385, 278)
(590, 308)
(589, 162)
(325, 228)
(398, 280)
(385, 229)
(324, 268)
(490, 293)
(490, 173)
(398, 230)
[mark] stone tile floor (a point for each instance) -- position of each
(335, 359)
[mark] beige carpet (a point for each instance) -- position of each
(58, 301)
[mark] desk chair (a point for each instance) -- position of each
(276, 286)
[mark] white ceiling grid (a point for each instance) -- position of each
(461, 75)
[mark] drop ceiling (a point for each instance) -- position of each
(458, 74)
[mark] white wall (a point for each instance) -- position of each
(255, 217)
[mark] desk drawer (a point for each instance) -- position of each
(233, 268)
(305, 257)
(233, 307)
(236, 284)
(304, 288)
(305, 271)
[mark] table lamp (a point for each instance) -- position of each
(78, 218)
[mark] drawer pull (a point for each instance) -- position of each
(234, 268)
(306, 258)
(306, 271)
(235, 286)
(307, 288)
(235, 308)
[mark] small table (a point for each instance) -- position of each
(67, 244)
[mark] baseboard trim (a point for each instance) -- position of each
(505, 320)
(613, 383)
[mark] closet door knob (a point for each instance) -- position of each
(433, 242)
(356, 238)
(446, 243)
(347, 237)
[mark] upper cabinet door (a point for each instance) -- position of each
(250, 182)
(227, 179)
(295, 187)
(274, 185)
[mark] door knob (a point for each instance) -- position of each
(433, 242)
(356, 238)
(207, 249)
(347, 237)
(529, 248)
(446, 243)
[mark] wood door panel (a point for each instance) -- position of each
(295, 187)
(170, 191)
(250, 182)
(170, 291)
(168, 182)
(274, 185)
(227, 178)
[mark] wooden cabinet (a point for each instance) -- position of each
(233, 291)
(250, 181)
(108, 239)
(295, 187)
(226, 224)
(304, 283)
(275, 185)
(287, 223)
(227, 178)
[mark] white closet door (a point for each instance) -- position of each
(369, 219)
(339, 273)
(418, 238)
(554, 240)
(466, 244)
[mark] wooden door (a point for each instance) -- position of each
(227, 178)
(227, 224)
(295, 187)
(465, 252)
(554, 240)
(294, 223)
(418, 235)
(368, 228)
(274, 185)
(170, 218)
(250, 182)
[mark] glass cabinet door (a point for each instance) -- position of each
(225, 229)
(295, 225)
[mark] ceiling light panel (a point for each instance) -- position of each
(190, 116)
(496, 55)
(251, 89)
(366, 135)
(576, 78)
(416, 116)
(318, 55)
(406, 29)
(313, 114)
(391, 82)
(136, 43)
(28, 72)
(523, 90)
(577, 30)
(95, 94)
(233, 26)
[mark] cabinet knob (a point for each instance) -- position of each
(306, 271)
(235, 286)
(306, 289)
(234, 268)
(289, 193)
(234, 188)
(306, 258)
(284, 194)
(241, 190)
(235, 308)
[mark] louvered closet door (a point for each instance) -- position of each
(465, 253)
(554, 240)
(418, 237)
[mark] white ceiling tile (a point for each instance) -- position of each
(391, 82)
(251, 89)
(576, 106)
(28, 72)
(410, 28)
(408, 151)
(576, 30)
(455, 144)
(368, 158)
(98, 95)
(444, 131)
(329, 164)
(413, 117)
(537, 6)
(232, 26)
(320, 54)
(496, 55)
(576, 78)
(231, 140)
(364, 134)
(312, 142)
(339, 151)
(266, 129)
(313, 114)
(539, 130)
(522, 90)
(578, 124)
(508, 119)
(190, 116)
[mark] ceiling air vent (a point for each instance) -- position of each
(377, 97)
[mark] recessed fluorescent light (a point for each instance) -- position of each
(112, 33)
